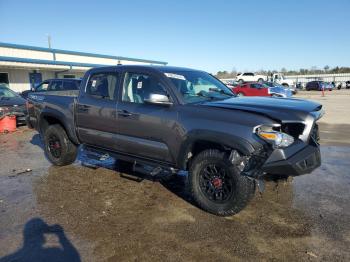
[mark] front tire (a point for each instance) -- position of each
(217, 186)
(260, 80)
(58, 147)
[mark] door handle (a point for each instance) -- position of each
(124, 113)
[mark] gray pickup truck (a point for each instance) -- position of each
(173, 119)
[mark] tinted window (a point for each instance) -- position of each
(55, 86)
(138, 87)
(102, 85)
(71, 85)
(42, 87)
(248, 74)
(256, 86)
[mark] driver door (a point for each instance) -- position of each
(145, 130)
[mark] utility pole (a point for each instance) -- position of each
(49, 43)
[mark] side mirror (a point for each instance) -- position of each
(158, 99)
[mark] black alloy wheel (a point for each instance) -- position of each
(216, 183)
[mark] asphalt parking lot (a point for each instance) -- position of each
(101, 216)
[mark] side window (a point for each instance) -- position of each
(138, 87)
(70, 85)
(42, 87)
(256, 86)
(248, 74)
(55, 86)
(102, 85)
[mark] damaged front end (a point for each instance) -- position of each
(289, 149)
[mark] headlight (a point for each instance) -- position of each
(276, 138)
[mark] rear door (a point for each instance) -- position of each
(96, 109)
(145, 130)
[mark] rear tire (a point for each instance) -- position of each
(260, 80)
(223, 193)
(59, 149)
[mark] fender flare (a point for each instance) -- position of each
(224, 139)
(62, 119)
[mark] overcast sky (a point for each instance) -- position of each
(210, 35)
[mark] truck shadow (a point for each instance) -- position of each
(177, 184)
(35, 245)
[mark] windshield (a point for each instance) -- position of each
(197, 86)
(7, 93)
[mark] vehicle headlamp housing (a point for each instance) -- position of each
(276, 138)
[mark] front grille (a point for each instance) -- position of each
(293, 129)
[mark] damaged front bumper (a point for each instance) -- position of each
(295, 160)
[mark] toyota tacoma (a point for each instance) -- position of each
(173, 119)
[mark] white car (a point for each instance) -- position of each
(280, 79)
(250, 77)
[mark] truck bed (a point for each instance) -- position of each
(62, 103)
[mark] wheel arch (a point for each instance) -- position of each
(50, 117)
(196, 143)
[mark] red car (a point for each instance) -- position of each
(251, 89)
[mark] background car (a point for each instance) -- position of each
(347, 84)
(258, 89)
(12, 103)
(318, 85)
(250, 77)
(58, 84)
(292, 89)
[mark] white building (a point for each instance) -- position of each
(337, 78)
(24, 66)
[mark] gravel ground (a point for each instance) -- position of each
(78, 213)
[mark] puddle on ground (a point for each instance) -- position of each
(106, 217)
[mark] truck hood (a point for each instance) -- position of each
(280, 109)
